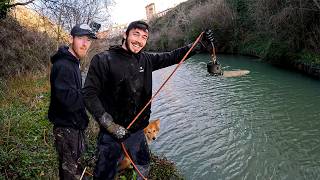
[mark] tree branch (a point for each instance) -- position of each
(21, 4)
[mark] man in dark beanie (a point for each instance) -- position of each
(117, 87)
(67, 111)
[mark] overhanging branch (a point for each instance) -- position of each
(21, 4)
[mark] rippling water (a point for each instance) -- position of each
(264, 125)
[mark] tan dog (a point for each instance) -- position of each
(151, 132)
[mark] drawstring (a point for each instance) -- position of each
(80, 141)
(80, 145)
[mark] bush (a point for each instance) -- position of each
(26, 149)
(183, 24)
(4, 8)
(160, 168)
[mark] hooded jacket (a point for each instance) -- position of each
(120, 83)
(66, 107)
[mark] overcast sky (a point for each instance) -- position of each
(125, 11)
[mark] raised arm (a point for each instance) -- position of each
(165, 59)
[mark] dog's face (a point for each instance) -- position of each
(152, 130)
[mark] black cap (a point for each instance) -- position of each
(138, 25)
(83, 30)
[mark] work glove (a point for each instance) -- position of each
(118, 132)
(208, 36)
(207, 41)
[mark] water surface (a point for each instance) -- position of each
(261, 126)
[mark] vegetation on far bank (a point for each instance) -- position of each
(274, 30)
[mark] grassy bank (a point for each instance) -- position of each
(26, 144)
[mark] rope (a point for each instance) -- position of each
(83, 173)
(135, 167)
(148, 103)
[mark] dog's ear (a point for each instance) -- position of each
(157, 123)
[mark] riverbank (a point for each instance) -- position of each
(26, 144)
(26, 141)
(305, 62)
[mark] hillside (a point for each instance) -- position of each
(33, 20)
(22, 50)
(27, 40)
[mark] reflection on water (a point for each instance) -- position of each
(264, 125)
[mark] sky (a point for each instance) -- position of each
(125, 11)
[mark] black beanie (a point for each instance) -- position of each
(138, 25)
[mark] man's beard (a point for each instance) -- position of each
(127, 46)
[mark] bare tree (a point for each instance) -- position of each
(67, 13)
(73, 12)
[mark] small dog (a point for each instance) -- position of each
(151, 132)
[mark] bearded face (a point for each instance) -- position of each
(80, 45)
(136, 40)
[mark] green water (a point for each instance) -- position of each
(264, 125)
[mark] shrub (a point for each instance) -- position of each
(23, 50)
(4, 8)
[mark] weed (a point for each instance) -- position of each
(26, 141)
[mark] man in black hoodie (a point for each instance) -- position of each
(117, 87)
(67, 111)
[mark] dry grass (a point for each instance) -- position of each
(26, 149)
(26, 89)
(23, 50)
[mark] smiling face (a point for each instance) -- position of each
(80, 46)
(136, 40)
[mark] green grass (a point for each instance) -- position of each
(309, 57)
(26, 150)
(160, 168)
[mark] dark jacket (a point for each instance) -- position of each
(120, 83)
(66, 104)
